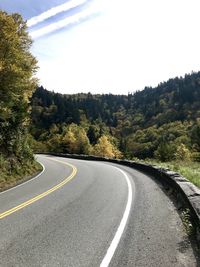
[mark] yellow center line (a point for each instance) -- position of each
(38, 197)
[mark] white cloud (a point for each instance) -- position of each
(94, 9)
(62, 23)
(54, 11)
(136, 44)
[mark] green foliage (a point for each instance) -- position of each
(63, 138)
(140, 122)
(161, 122)
(195, 156)
(195, 135)
(17, 67)
(190, 170)
(182, 153)
(165, 152)
(13, 170)
(75, 140)
(93, 133)
(159, 141)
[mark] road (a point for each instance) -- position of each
(89, 213)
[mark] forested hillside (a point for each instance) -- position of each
(160, 122)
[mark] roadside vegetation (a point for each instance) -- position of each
(12, 172)
(190, 170)
(17, 83)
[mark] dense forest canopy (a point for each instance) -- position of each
(142, 124)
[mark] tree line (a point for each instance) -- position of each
(155, 122)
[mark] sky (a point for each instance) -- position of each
(111, 46)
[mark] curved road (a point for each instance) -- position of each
(89, 213)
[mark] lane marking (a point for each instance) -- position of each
(23, 183)
(112, 248)
(38, 197)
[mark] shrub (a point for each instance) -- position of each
(165, 152)
(182, 153)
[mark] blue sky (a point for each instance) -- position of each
(111, 46)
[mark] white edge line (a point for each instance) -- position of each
(113, 246)
(23, 183)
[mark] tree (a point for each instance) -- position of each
(68, 142)
(54, 143)
(17, 82)
(183, 153)
(104, 148)
(195, 135)
(75, 140)
(165, 152)
(93, 133)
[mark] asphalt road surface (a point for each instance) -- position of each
(89, 213)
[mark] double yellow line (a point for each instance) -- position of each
(38, 197)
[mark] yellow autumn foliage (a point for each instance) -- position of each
(104, 148)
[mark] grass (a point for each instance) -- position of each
(18, 173)
(190, 170)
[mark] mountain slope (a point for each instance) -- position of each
(140, 121)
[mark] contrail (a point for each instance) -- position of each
(64, 23)
(54, 11)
